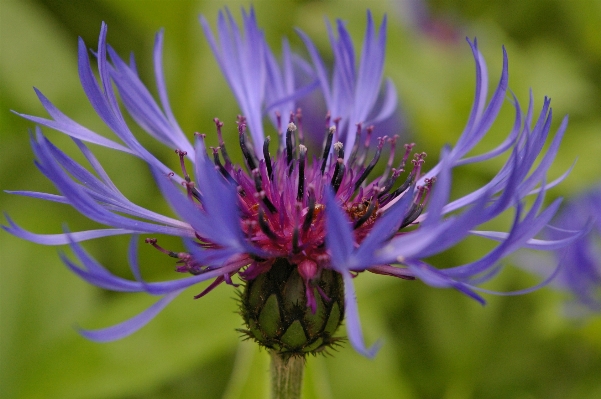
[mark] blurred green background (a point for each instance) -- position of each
(437, 343)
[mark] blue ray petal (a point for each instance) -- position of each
(130, 326)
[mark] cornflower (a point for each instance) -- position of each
(296, 226)
(580, 272)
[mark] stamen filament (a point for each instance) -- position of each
(226, 158)
(153, 242)
(182, 154)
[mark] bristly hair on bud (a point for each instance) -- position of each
(294, 228)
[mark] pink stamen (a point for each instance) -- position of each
(211, 287)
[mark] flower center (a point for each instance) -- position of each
(281, 198)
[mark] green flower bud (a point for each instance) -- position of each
(274, 308)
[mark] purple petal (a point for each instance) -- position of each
(388, 105)
(162, 90)
(524, 291)
(438, 278)
(102, 279)
(242, 61)
(339, 235)
(130, 326)
(385, 226)
(66, 125)
(81, 201)
(353, 324)
(440, 191)
(182, 205)
(220, 202)
(143, 108)
(318, 64)
(94, 273)
(370, 70)
(44, 196)
(175, 285)
(60, 239)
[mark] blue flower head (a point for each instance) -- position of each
(294, 223)
(580, 261)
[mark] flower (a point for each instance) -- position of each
(417, 15)
(580, 261)
(293, 226)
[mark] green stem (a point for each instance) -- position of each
(286, 376)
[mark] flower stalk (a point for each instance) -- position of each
(286, 375)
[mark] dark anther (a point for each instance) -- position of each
(267, 158)
(413, 213)
(370, 210)
(153, 242)
(310, 211)
(261, 193)
(417, 162)
(226, 158)
(371, 165)
(257, 258)
(418, 203)
(222, 169)
(265, 227)
(289, 146)
(295, 246)
(250, 161)
(409, 181)
(326, 148)
(192, 190)
(338, 175)
(302, 153)
(389, 182)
